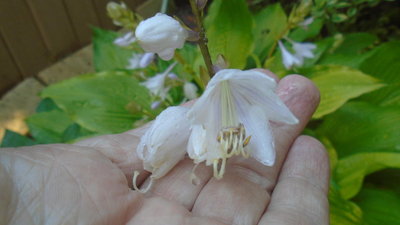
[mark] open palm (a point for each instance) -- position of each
(90, 182)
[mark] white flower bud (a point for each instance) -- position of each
(161, 34)
(190, 90)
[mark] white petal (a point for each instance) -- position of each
(155, 84)
(306, 22)
(251, 88)
(304, 50)
(155, 104)
(134, 61)
(125, 40)
(164, 144)
(166, 54)
(146, 59)
(261, 144)
(197, 143)
(173, 76)
(205, 115)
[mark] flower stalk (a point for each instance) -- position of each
(202, 42)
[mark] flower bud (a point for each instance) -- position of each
(161, 34)
(190, 90)
(121, 14)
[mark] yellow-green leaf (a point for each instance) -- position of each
(339, 84)
(351, 170)
(342, 211)
(229, 27)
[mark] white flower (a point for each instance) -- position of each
(164, 143)
(161, 34)
(146, 59)
(190, 90)
(173, 76)
(232, 118)
(140, 60)
(304, 50)
(288, 58)
(125, 40)
(155, 104)
(305, 23)
(156, 84)
(301, 51)
(134, 61)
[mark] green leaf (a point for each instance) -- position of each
(338, 18)
(301, 34)
(75, 132)
(342, 211)
(229, 27)
(384, 65)
(270, 22)
(48, 127)
(362, 127)
(98, 102)
(380, 206)
(355, 43)
(339, 84)
(46, 105)
(351, 170)
(352, 51)
(107, 55)
(13, 139)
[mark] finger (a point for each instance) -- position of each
(121, 150)
(244, 192)
(300, 195)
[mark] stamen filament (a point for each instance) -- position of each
(219, 172)
(193, 177)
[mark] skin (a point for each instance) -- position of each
(89, 182)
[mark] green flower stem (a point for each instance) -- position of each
(202, 40)
(164, 6)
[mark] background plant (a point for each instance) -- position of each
(357, 72)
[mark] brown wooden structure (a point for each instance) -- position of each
(36, 33)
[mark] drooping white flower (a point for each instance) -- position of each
(161, 34)
(156, 84)
(304, 49)
(232, 118)
(288, 59)
(164, 143)
(190, 90)
(125, 40)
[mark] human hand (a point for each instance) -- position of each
(89, 182)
